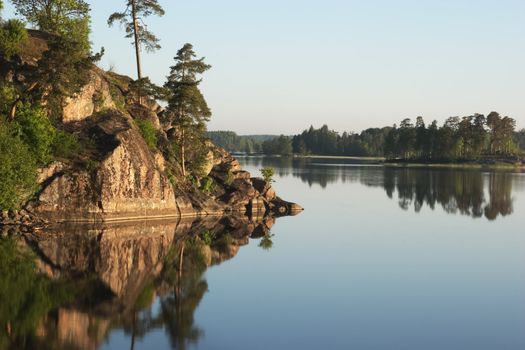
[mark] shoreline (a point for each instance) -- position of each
(472, 164)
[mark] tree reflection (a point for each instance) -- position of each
(70, 286)
(466, 192)
(500, 191)
(185, 275)
(456, 191)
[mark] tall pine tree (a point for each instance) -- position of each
(133, 20)
(188, 110)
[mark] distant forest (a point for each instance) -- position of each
(232, 142)
(470, 137)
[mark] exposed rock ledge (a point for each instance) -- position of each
(118, 177)
(126, 182)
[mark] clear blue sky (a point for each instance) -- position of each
(281, 65)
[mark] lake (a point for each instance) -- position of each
(381, 258)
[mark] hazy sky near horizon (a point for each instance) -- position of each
(282, 65)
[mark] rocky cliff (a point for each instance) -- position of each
(118, 176)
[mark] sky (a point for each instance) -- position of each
(280, 66)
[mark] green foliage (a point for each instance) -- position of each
(280, 145)
(459, 138)
(324, 141)
(116, 96)
(7, 96)
(208, 237)
(469, 137)
(17, 169)
(207, 185)
(146, 88)
(519, 140)
(145, 297)
(186, 103)
(66, 18)
(37, 132)
(26, 296)
(187, 111)
(192, 180)
(29, 141)
(61, 72)
(44, 140)
(171, 178)
(229, 178)
(232, 142)
(65, 145)
(267, 174)
(197, 156)
(128, 18)
(64, 69)
(266, 242)
(148, 132)
(12, 35)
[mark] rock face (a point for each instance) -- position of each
(125, 183)
(93, 98)
(126, 180)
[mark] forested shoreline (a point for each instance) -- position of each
(472, 137)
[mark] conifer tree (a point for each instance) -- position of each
(188, 110)
(133, 20)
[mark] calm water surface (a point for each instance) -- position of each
(381, 258)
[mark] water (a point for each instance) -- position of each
(381, 258)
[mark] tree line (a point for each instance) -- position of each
(232, 142)
(466, 138)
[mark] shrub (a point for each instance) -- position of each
(207, 185)
(17, 169)
(208, 237)
(267, 174)
(12, 35)
(172, 178)
(65, 145)
(148, 132)
(37, 132)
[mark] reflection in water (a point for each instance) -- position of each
(466, 192)
(72, 286)
(456, 191)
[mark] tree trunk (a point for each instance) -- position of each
(181, 259)
(133, 331)
(137, 48)
(14, 105)
(183, 153)
(12, 110)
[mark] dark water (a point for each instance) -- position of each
(382, 258)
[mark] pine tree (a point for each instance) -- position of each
(188, 110)
(133, 20)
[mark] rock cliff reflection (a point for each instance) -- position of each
(73, 286)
